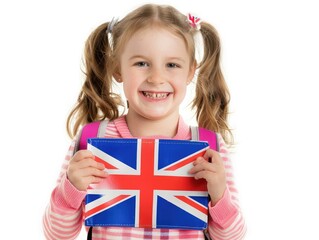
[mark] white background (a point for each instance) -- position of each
(270, 61)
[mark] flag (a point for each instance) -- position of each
(148, 184)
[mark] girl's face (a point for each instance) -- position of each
(155, 69)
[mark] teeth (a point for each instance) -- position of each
(155, 95)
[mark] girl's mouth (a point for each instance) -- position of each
(156, 95)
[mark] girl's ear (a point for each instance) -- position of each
(117, 77)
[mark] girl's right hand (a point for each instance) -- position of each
(84, 170)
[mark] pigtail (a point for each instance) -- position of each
(212, 95)
(96, 101)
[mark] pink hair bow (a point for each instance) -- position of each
(194, 21)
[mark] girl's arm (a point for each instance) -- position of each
(226, 220)
(63, 216)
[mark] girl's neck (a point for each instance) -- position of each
(143, 127)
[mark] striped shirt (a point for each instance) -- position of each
(63, 218)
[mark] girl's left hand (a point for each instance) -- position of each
(211, 168)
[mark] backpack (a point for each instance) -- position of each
(97, 130)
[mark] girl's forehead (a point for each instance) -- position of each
(156, 38)
(157, 34)
(158, 31)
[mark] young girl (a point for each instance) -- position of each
(152, 53)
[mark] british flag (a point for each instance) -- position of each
(148, 184)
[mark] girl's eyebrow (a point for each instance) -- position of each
(176, 59)
(137, 56)
(169, 58)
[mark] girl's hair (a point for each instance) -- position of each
(97, 100)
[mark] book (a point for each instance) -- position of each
(148, 184)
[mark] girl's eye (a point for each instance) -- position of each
(172, 65)
(141, 64)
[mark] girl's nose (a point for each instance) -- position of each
(156, 76)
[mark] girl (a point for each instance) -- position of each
(152, 53)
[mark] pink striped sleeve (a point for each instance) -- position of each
(226, 220)
(63, 216)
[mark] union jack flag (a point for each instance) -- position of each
(148, 184)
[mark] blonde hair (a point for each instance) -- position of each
(97, 101)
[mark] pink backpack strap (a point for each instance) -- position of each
(90, 130)
(210, 137)
(203, 134)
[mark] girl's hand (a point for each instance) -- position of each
(211, 168)
(84, 170)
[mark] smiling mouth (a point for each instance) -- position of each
(154, 95)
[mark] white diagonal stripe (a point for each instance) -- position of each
(122, 168)
(169, 196)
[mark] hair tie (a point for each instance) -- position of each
(109, 30)
(111, 25)
(194, 21)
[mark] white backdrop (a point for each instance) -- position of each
(270, 60)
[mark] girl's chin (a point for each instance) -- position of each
(151, 113)
(154, 115)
